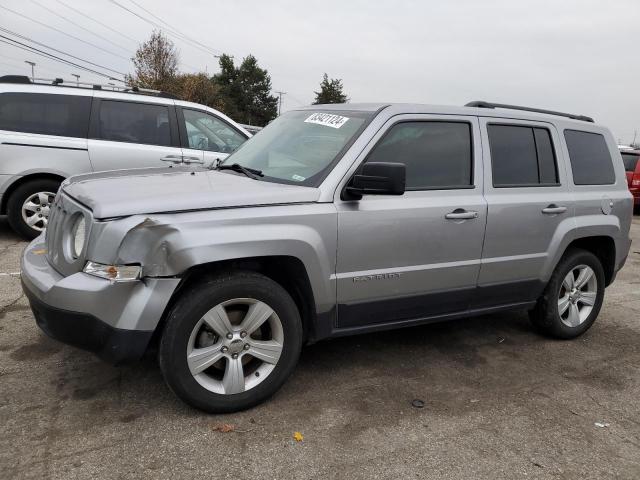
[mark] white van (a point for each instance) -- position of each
(50, 131)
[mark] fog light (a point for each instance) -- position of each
(116, 273)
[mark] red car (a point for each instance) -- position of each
(632, 166)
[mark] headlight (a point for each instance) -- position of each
(78, 236)
(116, 273)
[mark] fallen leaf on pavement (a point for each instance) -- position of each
(224, 428)
(297, 436)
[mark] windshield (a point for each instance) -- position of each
(300, 147)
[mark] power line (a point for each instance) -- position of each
(23, 37)
(98, 22)
(80, 26)
(173, 28)
(62, 32)
(172, 33)
(28, 48)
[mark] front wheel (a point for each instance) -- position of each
(230, 342)
(573, 297)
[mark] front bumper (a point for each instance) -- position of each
(115, 320)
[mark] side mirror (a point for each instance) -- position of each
(378, 178)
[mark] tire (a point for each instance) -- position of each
(22, 194)
(547, 317)
(185, 328)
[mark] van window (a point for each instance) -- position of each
(437, 155)
(522, 156)
(206, 132)
(630, 160)
(134, 122)
(590, 158)
(47, 114)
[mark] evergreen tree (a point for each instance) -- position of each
(330, 91)
(246, 91)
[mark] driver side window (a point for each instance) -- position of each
(207, 132)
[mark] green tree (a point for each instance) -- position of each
(245, 91)
(155, 64)
(330, 91)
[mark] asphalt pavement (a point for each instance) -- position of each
(500, 401)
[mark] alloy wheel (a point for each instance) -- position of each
(235, 346)
(577, 295)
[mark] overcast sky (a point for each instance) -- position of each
(579, 56)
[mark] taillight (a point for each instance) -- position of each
(635, 181)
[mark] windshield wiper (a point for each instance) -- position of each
(236, 167)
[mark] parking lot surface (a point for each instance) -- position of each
(500, 401)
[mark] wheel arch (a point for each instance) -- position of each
(21, 181)
(603, 247)
(287, 271)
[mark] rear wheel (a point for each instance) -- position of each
(573, 297)
(230, 342)
(29, 204)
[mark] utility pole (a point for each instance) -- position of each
(77, 79)
(280, 101)
(33, 64)
(635, 134)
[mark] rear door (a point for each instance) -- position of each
(132, 134)
(44, 132)
(205, 136)
(529, 203)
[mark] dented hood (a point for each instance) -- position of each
(121, 193)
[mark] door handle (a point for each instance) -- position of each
(461, 214)
(554, 209)
(188, 160)
(172, 158)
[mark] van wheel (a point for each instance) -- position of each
(28, 206)
(230, 342)
(573, 297)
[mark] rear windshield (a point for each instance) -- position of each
(47, 114)
(630, 161)
(300, 147)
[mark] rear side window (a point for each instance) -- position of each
(437, 155)
(134, 122)
(522, 156)
(47, 114)
(590, 158)
(630, 161)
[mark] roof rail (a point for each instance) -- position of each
(481, 104)
(23, 79)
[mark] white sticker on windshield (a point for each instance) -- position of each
(298, 178)
(327, 119)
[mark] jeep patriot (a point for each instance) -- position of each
(333, 220)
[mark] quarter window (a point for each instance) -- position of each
(630, 160)
(437, 155)
(134, 122)
(47, 114)
(522, 156)
(590, 158)
(206, 132)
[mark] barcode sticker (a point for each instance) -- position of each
(327, 120)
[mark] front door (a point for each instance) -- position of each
(409, 257)
(126, 134)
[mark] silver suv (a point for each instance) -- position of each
(333, 220)
(49, 132)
